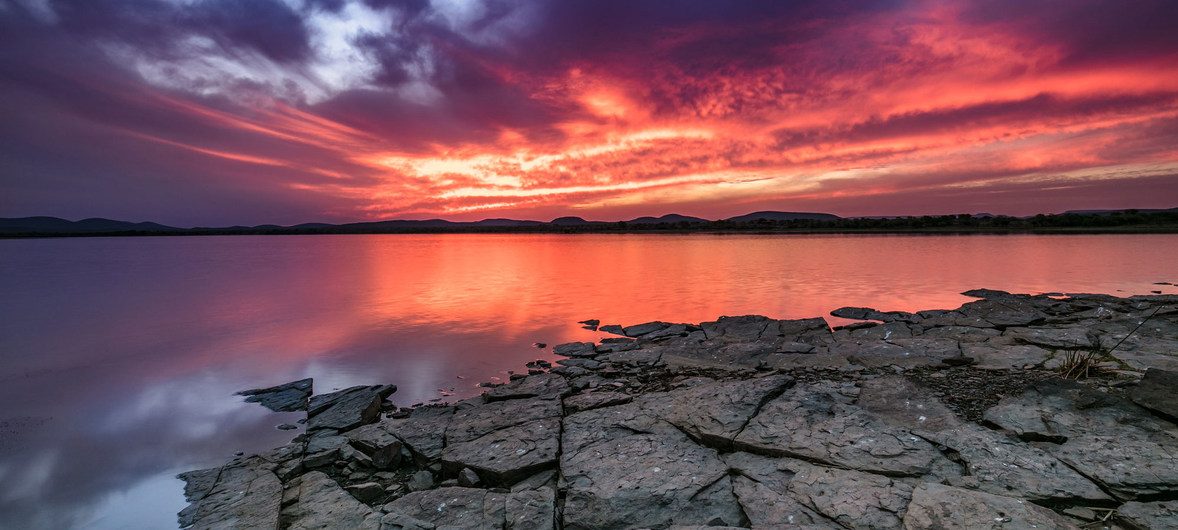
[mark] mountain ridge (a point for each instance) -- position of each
(53, 226)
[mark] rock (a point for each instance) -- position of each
(530, 509)
(1003, 312)
(588, 364)
(548, 385)
(716, 413)
(1103, 437)
(286, 427)
(289, 397)
(761, 485)
(347, 408)
(1054, 338)
(505, 456)
(878, 354)
(1002, 466)
(574, 349)
(468, 478)
(902, 403)
(642, 329)
(610, 484)
(732, 329)
(474, 422)
(851, 498)
(592, 400)
(422, 480)
(1145, 515)
(242, 494)
(1004, 357)
(1156, 392)
(367, 492)
(453, 507)
(398, 521)
(322, 503)
(939, 506)
(854, 313)
(814, 422)
(612, 329)
(958, 360)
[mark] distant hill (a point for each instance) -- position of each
(1110, 212)
(1156, 220)
(782, 216)
(51, 225)
(671, 218)
(572, 221)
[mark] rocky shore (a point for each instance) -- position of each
(936, 419)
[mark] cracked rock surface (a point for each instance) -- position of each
(935, 419)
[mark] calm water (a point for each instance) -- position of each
(119, 357)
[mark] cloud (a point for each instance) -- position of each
(353, 109)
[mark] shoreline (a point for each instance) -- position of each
(1110, 230)
(946, 417)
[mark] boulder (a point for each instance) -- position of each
(948, 507)
(289, 397)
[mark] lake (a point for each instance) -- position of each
(119, 357)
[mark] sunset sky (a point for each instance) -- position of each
(220, 112)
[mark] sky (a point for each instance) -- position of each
(219, 112)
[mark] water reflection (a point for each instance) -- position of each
(119, 357)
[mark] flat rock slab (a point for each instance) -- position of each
(347, 408)
(1106, 438)
(546, 385)
(1149, 514)
(508, 455)
(469, 423)
(852, 498)
(647, 480)
(948, 507)
(289, 397)
(242, 494)
(322, 503)
(1158, 391)
(1004, 466)
(593, 400)
(761, 485)
(814, 422)
(454, 507)
(716, 413)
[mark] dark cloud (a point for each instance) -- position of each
(1090, 31)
